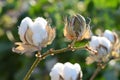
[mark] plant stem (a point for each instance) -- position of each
(49, 52)
(32, 68)
(95, 73)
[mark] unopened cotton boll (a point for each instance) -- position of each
(77, 27)
(34, 35)
(66, 71)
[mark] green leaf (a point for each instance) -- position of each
(81, 43)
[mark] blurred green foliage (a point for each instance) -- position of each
(104, 14)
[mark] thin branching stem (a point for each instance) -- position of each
(100, 66)
(32, 68)
(47, 53)
(96, 72)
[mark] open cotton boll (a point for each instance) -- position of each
(97, 41)
(106, 43)
(42, 21)
(34, 35)
(67, 71)
(78, 69)
(109, 35)
(54, 74)
(94, 42)
(25, 24)
(76, 72)
(39, 31)
(56, 71)
(71, 72)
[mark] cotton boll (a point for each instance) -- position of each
(71, 72)
(98, 42)
(75, 71)
(109, 35)
(54, 75)
(25, 24)
(77, 27)
(39, 31)
(34, 34)
(78, 69)
(106, 43)
(94, 42)
(103, 47)
(42, 21)
(56, 71)
(67, 71)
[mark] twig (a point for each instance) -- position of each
(49, 52)
(32, 68)
(96, 72)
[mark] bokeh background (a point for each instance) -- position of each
(104, 14)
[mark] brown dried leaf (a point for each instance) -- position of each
(24, 48)
(68, 31)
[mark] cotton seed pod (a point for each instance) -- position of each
(57, 72)
(112, 36)
(103, 47)
(100, 43)
(77, 27)
(34, 35)
(66, 71)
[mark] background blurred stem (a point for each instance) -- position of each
(96, 72)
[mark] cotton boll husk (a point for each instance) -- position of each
(56, 71)
(25, 24)
(39, 31)
(79, 24)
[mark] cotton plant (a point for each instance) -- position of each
(36, 34)
(66, 71)
(103, 49)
